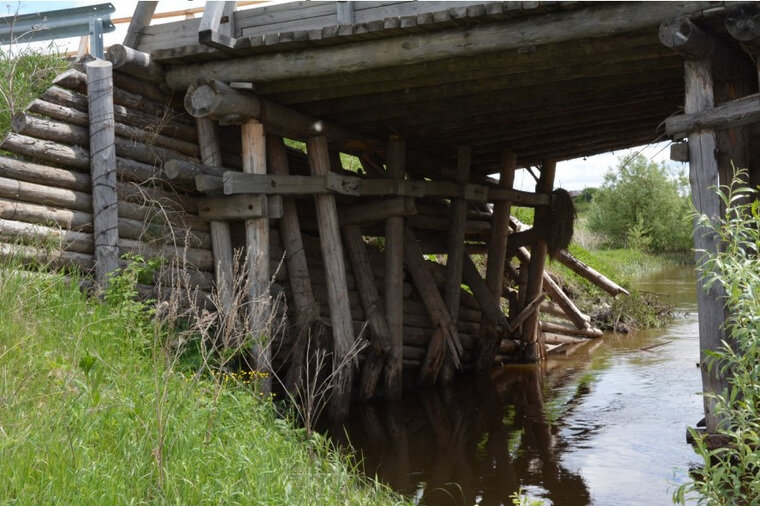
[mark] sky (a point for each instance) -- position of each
(571, 174)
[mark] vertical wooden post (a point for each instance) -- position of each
(306, 306)
(455, 252)
(103, 169)
(257, 242)
(337, 288)
(373, 310)
(394, 277)
(221, 240)
(530, 347)
(704, 176)
(488, 343)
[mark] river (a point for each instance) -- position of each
(605, 425)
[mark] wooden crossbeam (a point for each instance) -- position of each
(270, 184)
(240, 207)
(736, 113)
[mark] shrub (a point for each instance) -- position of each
(731, 473)
(642, 205)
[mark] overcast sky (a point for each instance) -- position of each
(572, 174)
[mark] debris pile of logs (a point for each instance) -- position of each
(106, 163)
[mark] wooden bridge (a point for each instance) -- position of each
(432, 99)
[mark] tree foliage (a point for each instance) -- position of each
(643, 205)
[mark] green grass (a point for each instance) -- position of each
(94, 410)
(24, 76)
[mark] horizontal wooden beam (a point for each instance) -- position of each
(269, 184)
(240, 207)
(590, 22)
(735, 113)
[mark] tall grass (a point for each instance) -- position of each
(94, 411)
(731, 473)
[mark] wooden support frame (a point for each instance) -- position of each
(337, 290)
(497, 256)
(445, 339)
(217, 28)
(257, 254)
(531, 350)
(241, 207)
(103, 170)
(455, 252)
(394, 276)
(221, 239)
(704, 176)
(140, 19)
(305, 304)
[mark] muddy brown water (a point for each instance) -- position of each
(605, 425)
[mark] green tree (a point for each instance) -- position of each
(643, 205)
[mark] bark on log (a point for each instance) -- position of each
(559, 328)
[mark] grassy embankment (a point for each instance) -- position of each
(95, 408)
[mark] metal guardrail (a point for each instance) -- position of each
(92, 20)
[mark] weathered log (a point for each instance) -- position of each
(257, 245)
(74, 80)
(214, 99)
(488, 305)
(135, 63)
(559, 328)
(122, 114)
(532, 350)
(736, 113)
(445, 339)
(50, 258)
(140, 19)
(554, 309)
(332, 255)
(554, 338)
(373, 310)
(591, 274)
(378, 210)
(704, 177)
(105, 215)
(394, 276)
(42, 174)
(305, 305)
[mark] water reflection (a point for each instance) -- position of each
(472, 443)
(604, 425)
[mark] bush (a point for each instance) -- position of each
(731, 473)
(642, 205)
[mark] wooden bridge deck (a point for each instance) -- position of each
(556, 80)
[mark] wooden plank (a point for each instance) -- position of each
(736, 113)
(257, 256)
(345, 12)
(532, 350)
(140, 19)
(305, 305)
(394, 276)
(589, 22)
(332, 255)
(240, 207)
(105, 215)
(377, 211)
